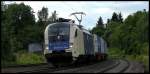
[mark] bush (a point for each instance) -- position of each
(115, 53)
(29, 58)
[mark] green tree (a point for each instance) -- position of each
(120, 19)
(21, 18)
(5, 45)
(108, 21)
(100, 23)
(130, 35)
(114, 17)
(99, 29)
(18, 20)
(41, 24)
(43, 14)
(53, 17)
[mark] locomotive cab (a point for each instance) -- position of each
(57, 42)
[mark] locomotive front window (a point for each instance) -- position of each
(58, 36)
(59, 32)
(59, 29)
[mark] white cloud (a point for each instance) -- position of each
(126, 3)
(136, 2)
(104, 10)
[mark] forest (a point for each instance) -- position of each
(126, 38)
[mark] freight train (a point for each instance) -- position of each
(68, 42)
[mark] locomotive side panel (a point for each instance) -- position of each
(88, 44)
(78, 47)
(105, 47)
(95, 44)
(72, 33)
(99, 44)
(102, 46)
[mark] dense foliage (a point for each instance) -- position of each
(131, 35)
(16, 30)
(19, 28)
(128, 38)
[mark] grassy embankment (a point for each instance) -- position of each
(25, 58)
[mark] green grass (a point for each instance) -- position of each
(29, 58)
(115, 53)
(24, 58)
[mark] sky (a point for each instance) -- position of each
(92, 9)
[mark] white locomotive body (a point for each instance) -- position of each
(67, 42)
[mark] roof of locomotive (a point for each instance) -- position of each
(73, 24)
(47, 27)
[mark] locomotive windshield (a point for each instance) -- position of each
(59, 36)
(59, 29)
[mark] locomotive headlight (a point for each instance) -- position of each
(70, 46)
(46, 47)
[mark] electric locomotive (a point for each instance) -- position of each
(67, 42)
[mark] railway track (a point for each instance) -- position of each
(135, 67)
(120, 68)
(116, 66)
(108, 66)
(42, 68)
